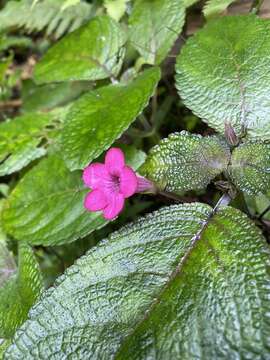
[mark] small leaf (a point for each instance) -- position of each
(223, 74)
(46, 207)
(186, 162)
(116, 8)
(96, 120)
(20, 292)
(182, 283)
(21, 140)
(250, 167)
(94, 51)
(215, 7)
(154, 26)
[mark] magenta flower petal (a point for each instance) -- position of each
(95, 201)
(128, 182)
(114, 160)
(95, 175)
(114, 207)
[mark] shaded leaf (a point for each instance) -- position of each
(186, 162)
(250, 167)
(23, 140)
(96, 120)
(46, 207)
(154, 26)
(183, 282)
(215, 7)
(94, 51)
(223, 74)
(20, 292)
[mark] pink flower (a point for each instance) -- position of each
(111, 184)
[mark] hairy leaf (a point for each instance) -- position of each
(94, 51)
(46, 207)
(20, 292)
(43, 15)
(223, 74)
(22, 140)
(186, 162)
(182, 283)
(215, 7)
(96, 120)
(154, 27)
(250, 167)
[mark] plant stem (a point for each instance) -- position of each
(265, 211)
(255, 7)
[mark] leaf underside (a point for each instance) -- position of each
(182, 283)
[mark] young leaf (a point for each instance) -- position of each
(215, 7)
(186, 162)
(44, 15)
(94, 51)
(250, 167)
(20, 292)
(184, 282)
(96, 120)
(46, 207)
(223, 74)
(154, 26)
(21, 140)
(116, 8)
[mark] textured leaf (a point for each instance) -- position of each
(116, 8)
(215, 7)
(22, 140)
(46, 207)
(182, 283)
(250, 167)
(96, 120)
(154, 27)
(223, 74)
(4, 344)
(94, 51)
(14, 41)
(19, 293)
(44, 15)
(186, 162)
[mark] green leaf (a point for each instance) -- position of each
(186, 162)
(154, 26)
(44, 15)
(223, 74)
(20, 292)
(215, 7)
(182, 283)
(24, 139)
(4, 344)
(94, 51)
(46, 207)
(13, 41)
(250, 167)
(116, 8)
(96, 120)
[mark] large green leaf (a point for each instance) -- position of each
(94, 51)
(183, 283)
(97, 119)
(215, 7)
(223, 74)
(250, 167)
(24, 139)
(154, 27)
(46, 207)
(186, 162)
(20, 292)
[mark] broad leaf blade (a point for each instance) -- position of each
(21, 140)
(215, 7)
(46, 207)
(94, 51)
(154, 27)
(20, 292)
(250, 167)
(96, 120)
(185, 162)
(172, 284)
(223, 74)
